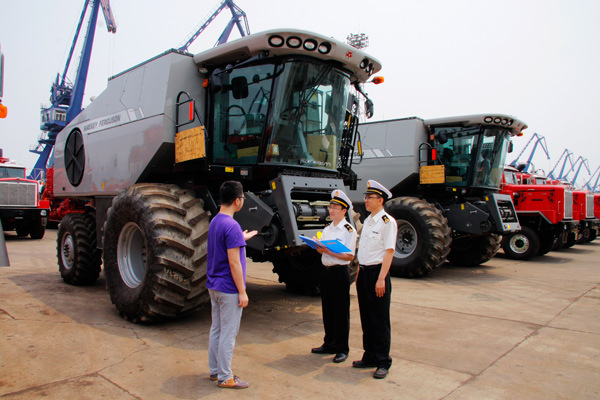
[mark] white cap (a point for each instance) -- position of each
(377, 188)
(339, 197)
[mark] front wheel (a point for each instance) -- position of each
(521, 245)
(155, 245)
(423, 240)
(473, 251)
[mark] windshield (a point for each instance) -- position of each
(12, 172)
(290, 113)
(511, 178)
(474, 157)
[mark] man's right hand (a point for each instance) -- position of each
(243, 300)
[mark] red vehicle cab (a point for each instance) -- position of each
(545, 212)
(20, 206)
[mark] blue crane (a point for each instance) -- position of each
(588, 185)
(236, 16)
(582, 162)
(539, 140)
(66, 98)
(568, 157)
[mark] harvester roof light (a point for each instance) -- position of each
(364, 63)
(294, 42)
(276, 40)
(324, 48)
(369, 68)
(310, 44)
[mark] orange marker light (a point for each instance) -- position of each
(377, 80)
(3, 111)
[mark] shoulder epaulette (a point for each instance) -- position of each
(385, 219)
(349, 227)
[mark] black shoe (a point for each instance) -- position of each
(363, 364)
(340, 357)
(322, 350)
(380, 373)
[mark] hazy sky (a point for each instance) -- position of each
(538, 60)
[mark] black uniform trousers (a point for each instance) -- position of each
(374, 316)
(335, 301)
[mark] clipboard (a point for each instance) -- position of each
(334, 245)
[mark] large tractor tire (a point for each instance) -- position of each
(521, 245)
(79, 258)
(155, 246)
(301, 272)
(473, 251)
(423, 239)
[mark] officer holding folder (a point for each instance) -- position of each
(335, 280)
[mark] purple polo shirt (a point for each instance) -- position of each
(223, 233)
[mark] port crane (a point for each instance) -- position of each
(66, 97)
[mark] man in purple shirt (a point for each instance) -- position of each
(226, 283)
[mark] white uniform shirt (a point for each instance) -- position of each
(346, 234)
(379, 233)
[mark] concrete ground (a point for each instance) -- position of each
(506, 330)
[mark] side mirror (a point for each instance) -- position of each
(510, 146)
(369, 109)
(239, 88)
(442, 138)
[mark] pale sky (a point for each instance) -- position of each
(537, 60)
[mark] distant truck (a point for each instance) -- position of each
(445, 177)
(275, 110)
(21, 209)
(545, 213)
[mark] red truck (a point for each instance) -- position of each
(20, 206)
(583, 211)
(545, 212)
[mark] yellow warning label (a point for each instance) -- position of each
(432, 174)
(189, 144)
(229, 169)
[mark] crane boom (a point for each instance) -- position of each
(568, 157)
(539, 140)
(582, 162)
(66, 98)
(236, 15)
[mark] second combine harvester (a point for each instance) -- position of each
(149, 154)
(445, 176)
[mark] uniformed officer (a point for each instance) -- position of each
(373, 284)
(335, 279)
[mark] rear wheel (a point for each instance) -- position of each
(521, 245)
(155, 245)
(79, 259)
(473, 251)
(423, 240)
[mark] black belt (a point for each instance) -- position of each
(335, 266)
(370, 266)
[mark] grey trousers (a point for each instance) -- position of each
(226, 316)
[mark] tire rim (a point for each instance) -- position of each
(519, 243)
(131, 255)
(407, 240)
(68, 251)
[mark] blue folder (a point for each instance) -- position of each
(334, 245)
